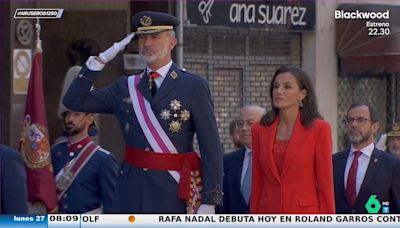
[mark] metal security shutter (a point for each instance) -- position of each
(375, 89)
(239, 65)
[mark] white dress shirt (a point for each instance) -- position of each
(363, 162)
(163, 71)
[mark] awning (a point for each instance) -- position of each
(362, 44)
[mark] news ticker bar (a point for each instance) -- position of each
(131, 220)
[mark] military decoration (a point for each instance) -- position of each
(165, 114)
(151, 83)
(175, 115)
(175, 105)
(185, 115)
(175, 126)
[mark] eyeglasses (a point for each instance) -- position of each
(359, 120)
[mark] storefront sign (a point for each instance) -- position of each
(293, 15)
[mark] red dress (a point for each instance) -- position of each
(280, 147)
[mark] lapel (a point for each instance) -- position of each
(372, 170)
(293, 147)
(143, 86)
(167, 85)
(238, 172)
(341, 166)
(270, 137)
(242, 154)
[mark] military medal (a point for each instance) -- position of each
(175, 105)
(165, 114)
(175, 126)
(185, 115)
(150, 83)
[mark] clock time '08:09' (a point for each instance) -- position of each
(63, 218)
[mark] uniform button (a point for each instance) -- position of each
(127, 111)
(127, 126)
(65, 206)
(65, 196)
(352, 211)
(80, 75)
(121, 172)
(147, 149)
(145, 169)
(71, 154)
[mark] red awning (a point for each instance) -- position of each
(360, 49)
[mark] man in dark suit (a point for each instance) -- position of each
(363, 171)
(159, 112)
(13, 190)
(234, 132)
(237, 166)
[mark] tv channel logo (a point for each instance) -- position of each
(373, 205)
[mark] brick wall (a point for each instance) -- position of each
(238, 65)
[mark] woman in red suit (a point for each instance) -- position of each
(292, 151)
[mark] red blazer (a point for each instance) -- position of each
(306, 183)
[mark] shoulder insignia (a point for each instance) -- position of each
(174, 75)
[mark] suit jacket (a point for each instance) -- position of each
(306, 182)
(233, 201)
(153, 191)
(382, 179)
(94, 185)
(13, 189)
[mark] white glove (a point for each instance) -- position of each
(381, 144)
(111, 52)
(206, 209)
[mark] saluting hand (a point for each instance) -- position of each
(111, 52)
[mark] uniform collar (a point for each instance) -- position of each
(78, 145)
(163, 71)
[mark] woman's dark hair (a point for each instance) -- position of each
(309, 111)
(80, 50)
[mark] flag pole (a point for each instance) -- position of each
(38, 40)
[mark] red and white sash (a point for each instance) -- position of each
(66, 175)
(152, 129)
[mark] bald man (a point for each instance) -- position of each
(237, 165)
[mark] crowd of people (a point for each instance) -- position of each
(283, 162)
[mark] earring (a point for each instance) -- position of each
(301, 103)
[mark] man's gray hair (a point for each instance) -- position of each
(172, 33)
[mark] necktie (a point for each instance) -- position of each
(351, 180)
(246, 186)
(152, 84)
